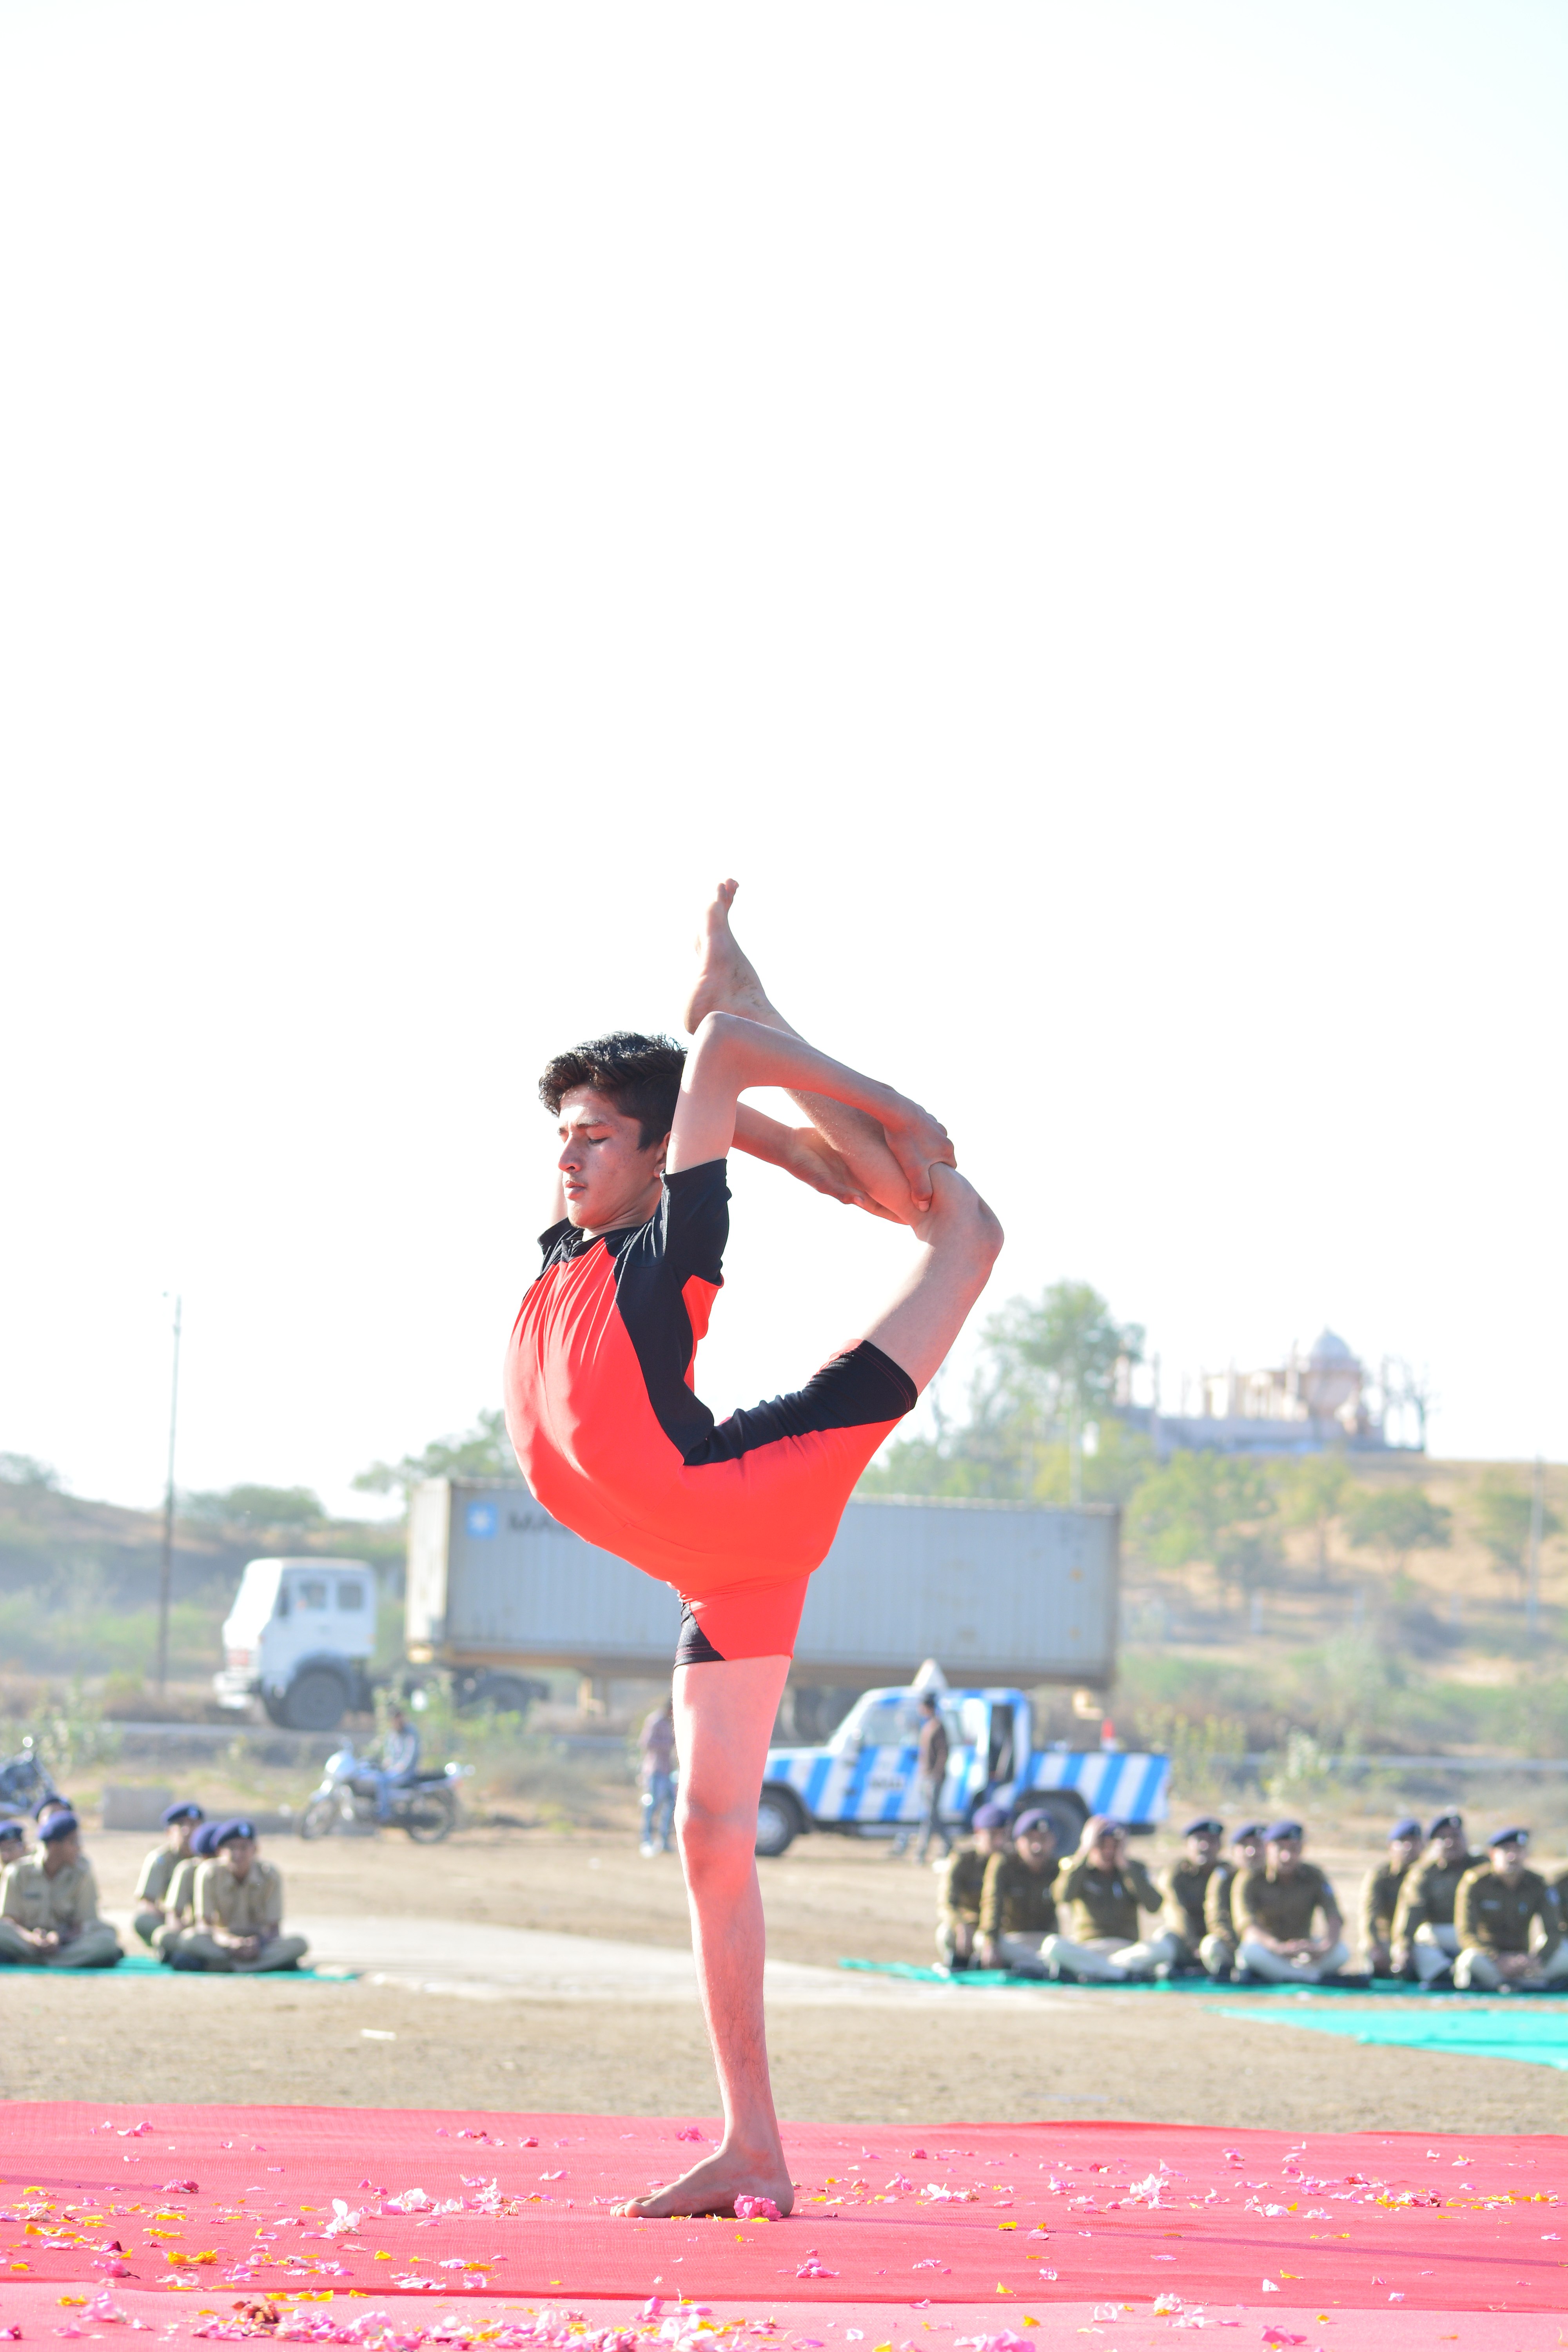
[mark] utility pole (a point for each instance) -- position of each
(166, 1566)
(1537, 1513)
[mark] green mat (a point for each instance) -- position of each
(1535, 2037)
(142, 1964)
(994, 1980)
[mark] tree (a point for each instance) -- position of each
(1061, 1352)
(1502, 1521)
(1398, 1521)
(1313, 1493)
(27, 1470)
(483, 1451)
(253, 1507)
(1206, 1507)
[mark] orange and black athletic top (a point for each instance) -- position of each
(615, 1442)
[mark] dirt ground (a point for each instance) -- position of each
(1167, 2057)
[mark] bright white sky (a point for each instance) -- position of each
(1068, 501)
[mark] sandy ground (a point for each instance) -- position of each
(477, 1991)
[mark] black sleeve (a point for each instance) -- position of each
(551, 1235)
(695, 1222)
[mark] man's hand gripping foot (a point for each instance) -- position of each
(712, 2187)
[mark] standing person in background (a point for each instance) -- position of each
(180, 1824)
(931, 1776)
(657, 1741)
(1380, 1895)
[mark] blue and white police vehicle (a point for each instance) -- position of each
(863, 1783)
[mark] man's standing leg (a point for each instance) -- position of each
(725, 1713)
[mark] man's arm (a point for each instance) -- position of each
(801, 1152)
(729, 1055)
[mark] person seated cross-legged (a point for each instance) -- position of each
(1278, 1907)
(1017, 1908)
(159, 1871)
(963, 1886)
(238, 1926)
(1425, 1938)
(736, 1515)
(1509, 1931)
(48, 1906)
(1222, 1929)
(1380, 1894)
(1184, 1885)
(1100, 1893)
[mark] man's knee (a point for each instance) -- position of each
(715, 1844)
(147, 1924)
(1476, 1972)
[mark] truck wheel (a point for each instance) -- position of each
(504, 1694)
(276, 1709)
(315, 1701)
(778, 1822)
(319, 1818)
(1066, 1814)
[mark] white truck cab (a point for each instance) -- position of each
(864, 1781)
(300, 1637)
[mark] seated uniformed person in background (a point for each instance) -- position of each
(13, 1843)
(238, 1924)
(1185, 1884)
(1558, 1883)
(964, 1882)
(48, 1906)
(1425, 1935)
(157, 1869)
(1017, 1912)
(180, 1901)
(1276, 1908)
(1100, 1893)
(1497, 1905)
(1222, 1933)
(1380, 1896)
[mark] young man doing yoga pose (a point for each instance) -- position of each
(735, 1514)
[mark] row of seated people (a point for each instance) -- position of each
(204, 1900)
(1434, 1911)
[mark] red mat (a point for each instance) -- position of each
(1012, 2217)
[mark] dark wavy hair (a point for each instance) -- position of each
(641, 1076)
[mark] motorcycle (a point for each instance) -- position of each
(25, 1781)
(425, 1805)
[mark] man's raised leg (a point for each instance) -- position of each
(724, 1714)
(959, 1239)
(727, 981)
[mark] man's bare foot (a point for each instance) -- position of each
(727, 981)
(712, 2187)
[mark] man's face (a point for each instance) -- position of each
(1035, 1847)
(178, 1836)
(1106, 1852)
(1201, 1847)
(239, 1854)
(11, 1850)
(1283, 1857)
(1508, 1861)
(60, 1852)
(1402, 1852)
(1244, 1854)
(1449, 1840)
(399, 1720)
(609, 1179)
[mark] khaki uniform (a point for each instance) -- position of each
(251, 1905)
(962, 1883)
(1185, 1885)
(68, 1903)
(1285, 1907)
(1017, 1910)
(1493, 1918)
(178, 1901)
(1102, 1907)
(1221, 1933)
(1379, 1901)
(152, 1890)
(1424, 1929)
